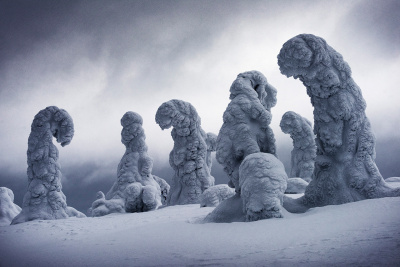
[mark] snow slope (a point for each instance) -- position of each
(364, 233)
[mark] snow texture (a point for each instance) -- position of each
(263, 182)
(304, 148)
(136, 189)
(44, 199)
(363, 233)
(296, 185)
(8, 210)
(246, 123)
(190, 157)
(215, 195)
(345, 169)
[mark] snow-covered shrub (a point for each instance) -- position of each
(304, 148)
(345, 168)
(246, 123)
(189, 157)
(8, 210)
(135, 189)
(215, 195)
(44, 199)
(263, 183)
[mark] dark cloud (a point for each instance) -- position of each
(376, 25)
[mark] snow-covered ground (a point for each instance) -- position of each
(364, 233)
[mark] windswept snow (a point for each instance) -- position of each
(364, 233)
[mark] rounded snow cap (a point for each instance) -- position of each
(131, 117)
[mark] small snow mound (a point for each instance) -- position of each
(296, 186)
(214, 195)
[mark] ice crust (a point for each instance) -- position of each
(8, 210)
(136, 188)
(345, 169)
(304, 148)
(246, 120)
(44, 199)
(191, 155)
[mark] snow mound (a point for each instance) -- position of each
(8, 210)
(215, 195)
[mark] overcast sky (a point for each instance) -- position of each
(99, 59)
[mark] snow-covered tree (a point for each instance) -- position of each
(304, 148)
(246, 123)
(190, 155)
(136, 189)
(44, 199)
(345, 169)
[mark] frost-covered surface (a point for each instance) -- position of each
(8, 210)
(246, 123)
(190, 156)
(345, 168)
(215, 195)
(296, 185)
(364, 233)
(263, 182)
(44, 199)
(304, 148)
(136, 189)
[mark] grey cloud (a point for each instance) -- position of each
(377, 23)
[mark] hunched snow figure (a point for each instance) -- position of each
(136, 189)
(214, 195)
(263, 182)
(246, 123)
(345, 169)
(189, 157)
(44, 199)
(304, 148)
(8, 210)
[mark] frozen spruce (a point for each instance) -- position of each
(304, 148)
(8, 210)
(189, 157)
(215, 195)
(44, 199)
(246, 123)
(345, 169)
(136, 189)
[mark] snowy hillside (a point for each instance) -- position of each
(364, 233)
